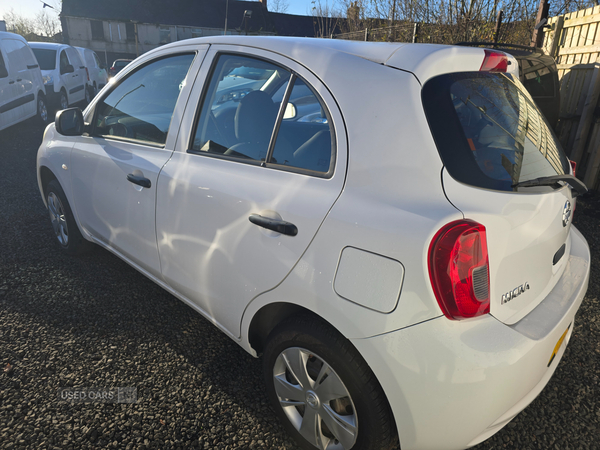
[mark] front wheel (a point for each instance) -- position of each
(64, 101)
(63, 223)
(42, 110)
(323, 391)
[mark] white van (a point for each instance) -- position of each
(21, 86)
(65, 76)
(96, 69)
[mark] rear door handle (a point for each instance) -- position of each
(280, 226)
(140, 181)
(11, 82)
(19, 79)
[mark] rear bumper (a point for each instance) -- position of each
(453, 384)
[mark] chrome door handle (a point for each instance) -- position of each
(280, 226)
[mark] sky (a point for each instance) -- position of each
(29, 8)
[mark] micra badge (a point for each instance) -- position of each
(510, 295)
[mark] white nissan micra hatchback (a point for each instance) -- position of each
(389, 225)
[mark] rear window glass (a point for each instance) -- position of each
(46, 58)
(489, 132)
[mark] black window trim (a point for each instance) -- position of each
(273, 141)
(91, 127)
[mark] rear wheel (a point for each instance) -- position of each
(88, 95)
(322, 389)
(63, 223)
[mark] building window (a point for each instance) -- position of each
(197, 32)
(97, 30)
(165, 35)
(130, 31)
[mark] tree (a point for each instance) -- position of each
(279, 6)
(326, 14)
(44, 26)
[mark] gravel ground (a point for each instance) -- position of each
(93, 321)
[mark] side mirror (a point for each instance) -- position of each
(69, 122)
(290, 111)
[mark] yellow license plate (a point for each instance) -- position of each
(558, 344)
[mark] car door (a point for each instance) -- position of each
(115, 168)
(80, 75)
(250, 182)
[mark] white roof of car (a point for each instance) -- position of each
(424, 60)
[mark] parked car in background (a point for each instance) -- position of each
(96, 70)
(117, 66)
(410, 273)
(21, 87)
(537, 72)
(65, 76)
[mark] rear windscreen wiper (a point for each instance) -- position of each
(576, 185)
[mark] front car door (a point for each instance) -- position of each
(250, 182)
(116, 166)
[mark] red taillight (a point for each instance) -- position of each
(87, 72)
(459, 270)
(573, 166)
(494, 62)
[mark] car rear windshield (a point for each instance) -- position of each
(46, 58)
(488, 131)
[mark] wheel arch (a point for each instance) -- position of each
(271, 315)
(46, 176)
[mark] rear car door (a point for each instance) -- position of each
(253, 177)
(491, 136)
(116, 167)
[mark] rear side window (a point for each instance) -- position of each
(46, 58)
(488, 131)
(258, 112)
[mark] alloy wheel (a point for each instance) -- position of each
(58, 219)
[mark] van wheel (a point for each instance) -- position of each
(94, 90)
(64, 226)
(42, 110)
(88, 95)
(323, 391)
(64, 101)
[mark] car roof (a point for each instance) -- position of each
(48, 45)
(424, 60)
(8, 35)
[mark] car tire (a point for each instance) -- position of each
(316, 381)
(63, 100)
(42, 114)
(65, 227)
(88, 95)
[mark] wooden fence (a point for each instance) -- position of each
(574, 41)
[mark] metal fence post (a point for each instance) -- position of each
(415, 33)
